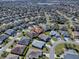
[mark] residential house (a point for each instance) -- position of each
(23, 26)
(45, 27)
(71, 55)
(12, 56)
(24, 41)
(15, 28)
(38, 44)
(18, 49)
(64, 33)
(55, 34)
(63, 27)
(44, 37)
(76, 28)
(35, 54)
(37, 29)
(32, 34)
(3, 37)
(66, 38)
(58, 36)
(10, 32)
(76, 34)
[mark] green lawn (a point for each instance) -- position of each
(47, 33)
(57, 58)
(49, 43)
(59, 49)
(54, 39)
(46, 50)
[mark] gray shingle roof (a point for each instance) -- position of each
(3, 37)
(12, 56)
(10, 31)
(44, 37)
(38, 44)
(24, 41)
(71, 56)
(35, 54)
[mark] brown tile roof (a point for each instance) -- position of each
(37, 29)
(18, 49)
